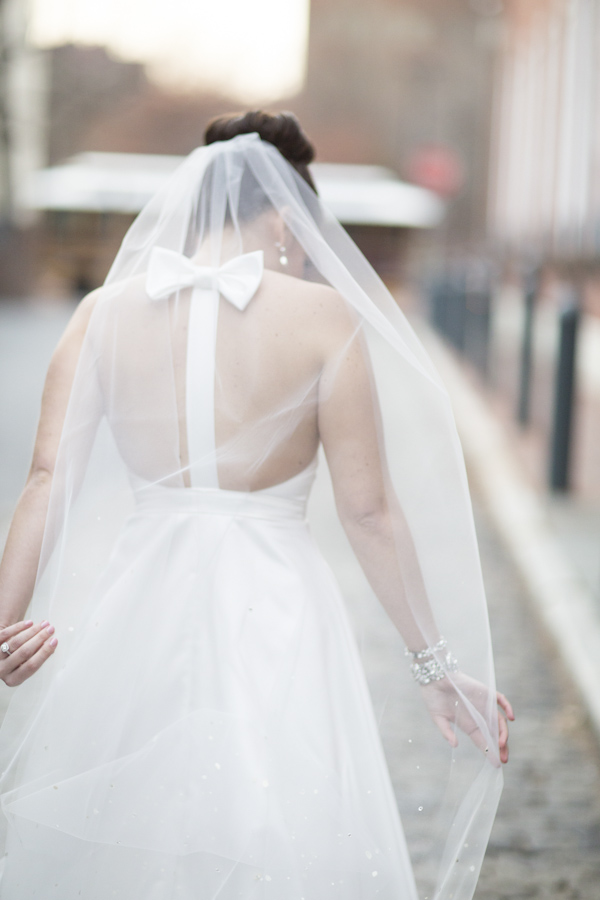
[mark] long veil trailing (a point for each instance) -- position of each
(204, 728)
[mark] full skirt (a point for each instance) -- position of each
(210, 732)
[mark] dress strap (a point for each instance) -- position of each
(200, 387)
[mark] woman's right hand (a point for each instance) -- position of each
(445, 702)
(30, 646)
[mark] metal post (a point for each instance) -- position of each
(438, 291)
(478, 313)
(532, 280)
(457, 306)
(485, 327)
(560, 448)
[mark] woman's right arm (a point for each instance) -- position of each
(30, 644)
(351, 432)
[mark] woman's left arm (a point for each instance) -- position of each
(19, 565)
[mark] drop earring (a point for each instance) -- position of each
(283, 260)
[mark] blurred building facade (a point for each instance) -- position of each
(545, 185)
(86, 85)
(542, 318)
(100, 103)
(23, 84)
(387, 80)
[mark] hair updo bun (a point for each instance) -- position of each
(283, 130)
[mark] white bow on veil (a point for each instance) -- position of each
(237, 279)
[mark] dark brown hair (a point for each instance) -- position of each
(282, 129)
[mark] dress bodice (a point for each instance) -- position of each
(296, 488)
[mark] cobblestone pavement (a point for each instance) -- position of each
(546, 839)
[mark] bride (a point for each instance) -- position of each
(198, 723)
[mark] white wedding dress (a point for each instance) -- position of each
(234, 751)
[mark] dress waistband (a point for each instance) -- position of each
(213, 501)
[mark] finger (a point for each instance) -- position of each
(16, 643)
(481, 743)
(24, 635)
(502, 738)
(446, 729)
(505, 705)
(9, 631)
(31, 666)
(502, 730)
(28, 647)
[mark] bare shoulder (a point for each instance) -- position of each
(312, 292)
(81, 316)
(108, 298)
(62, 362)
(318, 307)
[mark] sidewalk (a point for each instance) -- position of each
(554, 543)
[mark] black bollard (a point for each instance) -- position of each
(486, 327)
(438, 292)
(532, 280)
(456, 308)
(478, 313)
(447, 298)
(564, 395)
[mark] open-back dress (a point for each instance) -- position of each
(234, 752)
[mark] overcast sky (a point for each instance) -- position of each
(252, 50)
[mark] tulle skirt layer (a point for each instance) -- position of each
(209, 734)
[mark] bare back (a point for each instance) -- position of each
(268, 365)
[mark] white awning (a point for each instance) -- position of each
(124, 182)
(373, 195)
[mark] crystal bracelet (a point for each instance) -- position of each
(428, 651)
(431, 669)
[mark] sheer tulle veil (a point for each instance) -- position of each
(122, 434)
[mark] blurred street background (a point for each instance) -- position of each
(459, 143)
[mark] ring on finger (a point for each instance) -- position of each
(5, 648)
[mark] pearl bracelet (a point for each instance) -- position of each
(431, 669)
